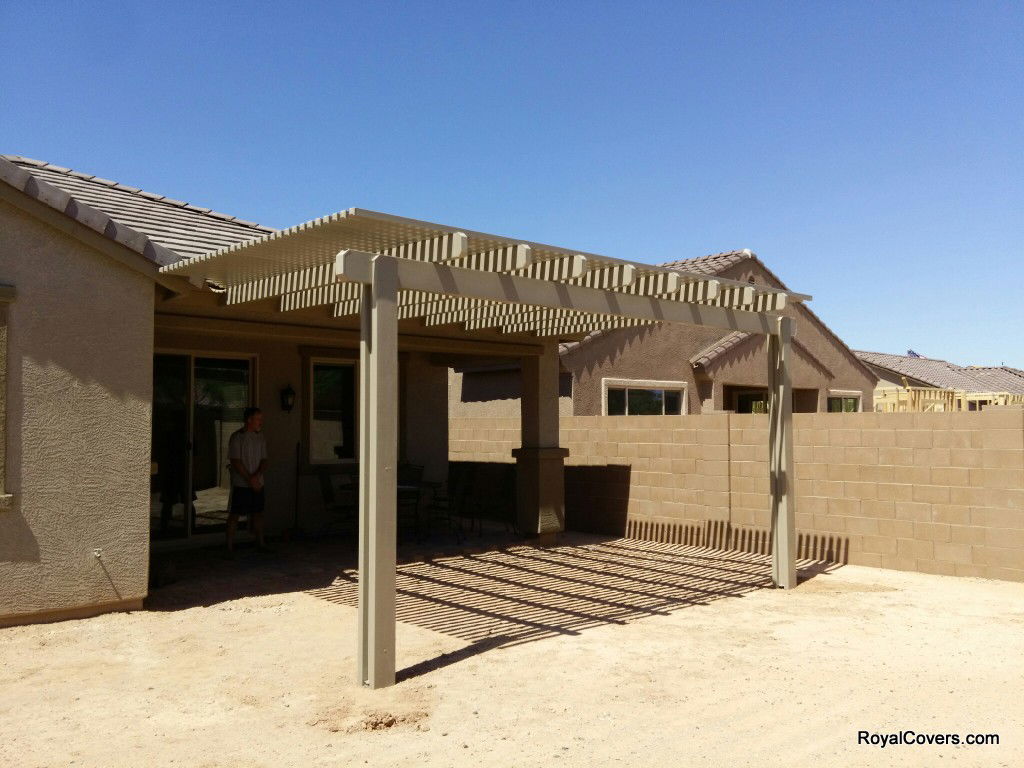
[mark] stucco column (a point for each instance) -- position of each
(540, 462)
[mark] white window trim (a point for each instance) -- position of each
(684, 407)
(846, 393)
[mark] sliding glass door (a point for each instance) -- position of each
(221, 393)
(169, 485)
(198, 403)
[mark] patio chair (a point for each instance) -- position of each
(410, 494)
(342, 503)
(493, 496)
(447, 505)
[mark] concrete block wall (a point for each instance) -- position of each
(937, 493)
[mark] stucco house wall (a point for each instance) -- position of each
(79, 370)
(660, 353)
(495, 394)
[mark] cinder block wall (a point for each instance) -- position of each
(938, 493)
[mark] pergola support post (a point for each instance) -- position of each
(780, 456)
(540, 462)
(378, 459)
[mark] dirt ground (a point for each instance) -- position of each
(599, 652)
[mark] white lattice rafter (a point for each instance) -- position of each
(319, 296)
(519, 315)
(276, 285)
(615, 277)
(559, 269)
(572, 327)
(504, 259)
(451, 246)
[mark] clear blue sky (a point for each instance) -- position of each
(872, 153)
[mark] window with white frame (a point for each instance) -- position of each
(636, 397)
(332, 412)
(843, 402)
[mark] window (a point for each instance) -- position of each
(752, 402)
(644, 398)
(332, 415)
(198, 403)
(844, 404)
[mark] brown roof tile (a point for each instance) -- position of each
(718, 348)
(942, 373)
(182, 229)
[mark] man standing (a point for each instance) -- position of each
(247, 451)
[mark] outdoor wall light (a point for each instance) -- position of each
(287, 399)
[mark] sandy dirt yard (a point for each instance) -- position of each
(598, 652)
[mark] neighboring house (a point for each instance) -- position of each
(912, 382)
(675, 370)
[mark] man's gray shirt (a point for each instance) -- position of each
(250, 448)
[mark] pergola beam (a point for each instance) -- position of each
(442, 279)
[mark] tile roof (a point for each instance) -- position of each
(185, 230)
(943, 374)
(1001, 378)
(718, 348)
(713, 264)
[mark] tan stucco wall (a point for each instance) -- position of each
(661, 353)
(492, 394)
(78, 423)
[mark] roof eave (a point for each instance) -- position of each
(85, 223)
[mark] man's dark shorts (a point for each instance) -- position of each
(246, 501)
